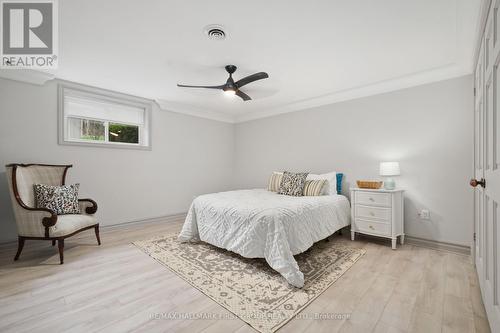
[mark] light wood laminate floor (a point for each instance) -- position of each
(116, 288)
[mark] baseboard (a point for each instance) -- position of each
(164, 218)
(444, 246)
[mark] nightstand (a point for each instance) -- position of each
(378, 213)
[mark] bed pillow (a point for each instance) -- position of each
(331, 187)
(275, 181)
(314, 187)
(60, 199)
(293, 183)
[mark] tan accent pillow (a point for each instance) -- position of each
(275, 181)
(314, 187)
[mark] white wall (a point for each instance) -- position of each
(190, 156)
(428, 129)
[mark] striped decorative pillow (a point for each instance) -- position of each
(275, 181)
(314, 187)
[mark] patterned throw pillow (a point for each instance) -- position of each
(293, 183)
(314, 187)
(60, 199)
(275, 181)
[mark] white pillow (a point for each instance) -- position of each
(330, 187)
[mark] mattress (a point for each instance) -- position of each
(262, 224)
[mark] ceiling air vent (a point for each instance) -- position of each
(215, 32)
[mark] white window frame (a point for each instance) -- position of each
(104, 96)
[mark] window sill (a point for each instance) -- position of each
(104, 145)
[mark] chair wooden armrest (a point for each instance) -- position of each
(47, 221)
(88, 206)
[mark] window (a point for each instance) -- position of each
(91, 116)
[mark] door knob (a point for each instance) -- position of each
(475, 182)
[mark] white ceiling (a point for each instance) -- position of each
(316, 52)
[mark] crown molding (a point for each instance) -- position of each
(404, 82)
(194, 111)
(26, 75)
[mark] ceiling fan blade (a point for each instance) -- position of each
(209, 87)
(251, 78)
(243, 96)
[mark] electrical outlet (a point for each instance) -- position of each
(425, 214)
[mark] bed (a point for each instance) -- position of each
(259, 223)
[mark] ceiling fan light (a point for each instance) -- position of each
(229, 92)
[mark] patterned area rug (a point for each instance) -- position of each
(249, 288)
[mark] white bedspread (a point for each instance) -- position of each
(262, 224)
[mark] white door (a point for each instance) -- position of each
(487, 167)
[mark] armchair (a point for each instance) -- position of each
(42, 223)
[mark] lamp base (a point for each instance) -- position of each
(389, 184)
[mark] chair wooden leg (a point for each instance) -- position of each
(60, 245)
(20, 245)
(53, 242)
(96, 228)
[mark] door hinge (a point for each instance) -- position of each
(474, 237)
(474, 92)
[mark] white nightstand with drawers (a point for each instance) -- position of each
(378, 213)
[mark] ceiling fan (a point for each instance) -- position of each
(231, 87)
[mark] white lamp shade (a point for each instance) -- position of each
(389, 169)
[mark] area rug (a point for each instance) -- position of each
(249, 288)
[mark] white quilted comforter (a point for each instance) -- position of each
(262, 224)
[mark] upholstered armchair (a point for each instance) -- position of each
(42, 223)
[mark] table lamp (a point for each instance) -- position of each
(389, 169)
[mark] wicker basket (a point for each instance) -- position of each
(369, 184)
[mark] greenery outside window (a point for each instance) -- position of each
(123, 133)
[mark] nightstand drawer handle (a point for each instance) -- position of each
(371, 227)
(371, 199)
(372, 213)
